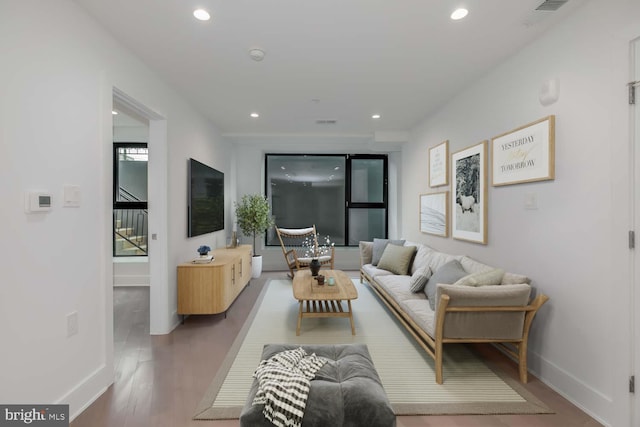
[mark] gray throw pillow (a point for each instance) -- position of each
(378, 248)
(449, 273)
(397, 259)
(419, 279)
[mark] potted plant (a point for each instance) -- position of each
(252, 213)
(204, 250)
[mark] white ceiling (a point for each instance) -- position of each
(400, 58)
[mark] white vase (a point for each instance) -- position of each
(256, 266)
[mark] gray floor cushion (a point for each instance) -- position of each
(345, 392)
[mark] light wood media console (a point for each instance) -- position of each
(211, 288)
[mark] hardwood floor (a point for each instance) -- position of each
(159, 380)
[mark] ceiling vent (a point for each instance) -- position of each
(326, 121)
(551, 5)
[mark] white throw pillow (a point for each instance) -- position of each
(420, 278)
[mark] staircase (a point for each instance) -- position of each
(130, 232)
(126, 243)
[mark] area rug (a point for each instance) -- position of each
(406, 371)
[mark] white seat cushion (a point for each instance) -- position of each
(373, 272)
(399, 288)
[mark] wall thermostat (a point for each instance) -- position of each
(549, 92)
(37, 202)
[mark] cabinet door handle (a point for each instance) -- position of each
(233, 274)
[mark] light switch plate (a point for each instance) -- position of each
(71, 196)
(531, 201)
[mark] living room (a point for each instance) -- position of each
(61, 68)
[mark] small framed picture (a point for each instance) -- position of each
(439, 165)
(434, 214)
(469, 193)
(525, 154)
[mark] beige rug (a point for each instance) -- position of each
(406, 371)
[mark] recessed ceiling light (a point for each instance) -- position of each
(336, 168)
(201, 14)
(459, 14)
(114, 112)
(282, 167)
(376, 116)
(254, 115)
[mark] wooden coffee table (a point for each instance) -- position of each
(324, 300)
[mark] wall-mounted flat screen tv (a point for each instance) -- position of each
(206, 199)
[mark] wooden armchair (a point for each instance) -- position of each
(297, 255)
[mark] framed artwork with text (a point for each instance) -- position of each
(525, 154)
(439, 165)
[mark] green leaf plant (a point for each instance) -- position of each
(253, 216)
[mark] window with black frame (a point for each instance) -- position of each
(345, 196)
(130, 215)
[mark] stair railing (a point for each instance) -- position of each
(135, 224)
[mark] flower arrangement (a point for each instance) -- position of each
(315, 246)
(204, 250)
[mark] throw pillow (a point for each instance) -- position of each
(419, 279)
(397, 259)
(378, 248)
(449, 273)
(482, 278)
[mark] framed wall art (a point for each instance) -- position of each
(434, 213)
(525, 154)
(469, 193)
(439, 165)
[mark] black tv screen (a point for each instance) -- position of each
(206, 199)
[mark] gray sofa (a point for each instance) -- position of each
(478, 303)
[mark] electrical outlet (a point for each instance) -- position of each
(72, 324)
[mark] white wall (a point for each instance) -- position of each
(574, 245)
(251, 152)
(58, 72)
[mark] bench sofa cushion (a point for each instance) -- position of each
(484, 325)
(346, 391)
(421, 314)
(366, 252)
(420, 259)
(397, 259)
(449, 273)
(379, 246)
(399, 288)
(374, 272)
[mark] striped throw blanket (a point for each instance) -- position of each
(283, 385)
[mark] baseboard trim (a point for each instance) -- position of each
(177, 320)
(131, 280)
(94, 385)
(576, 391)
